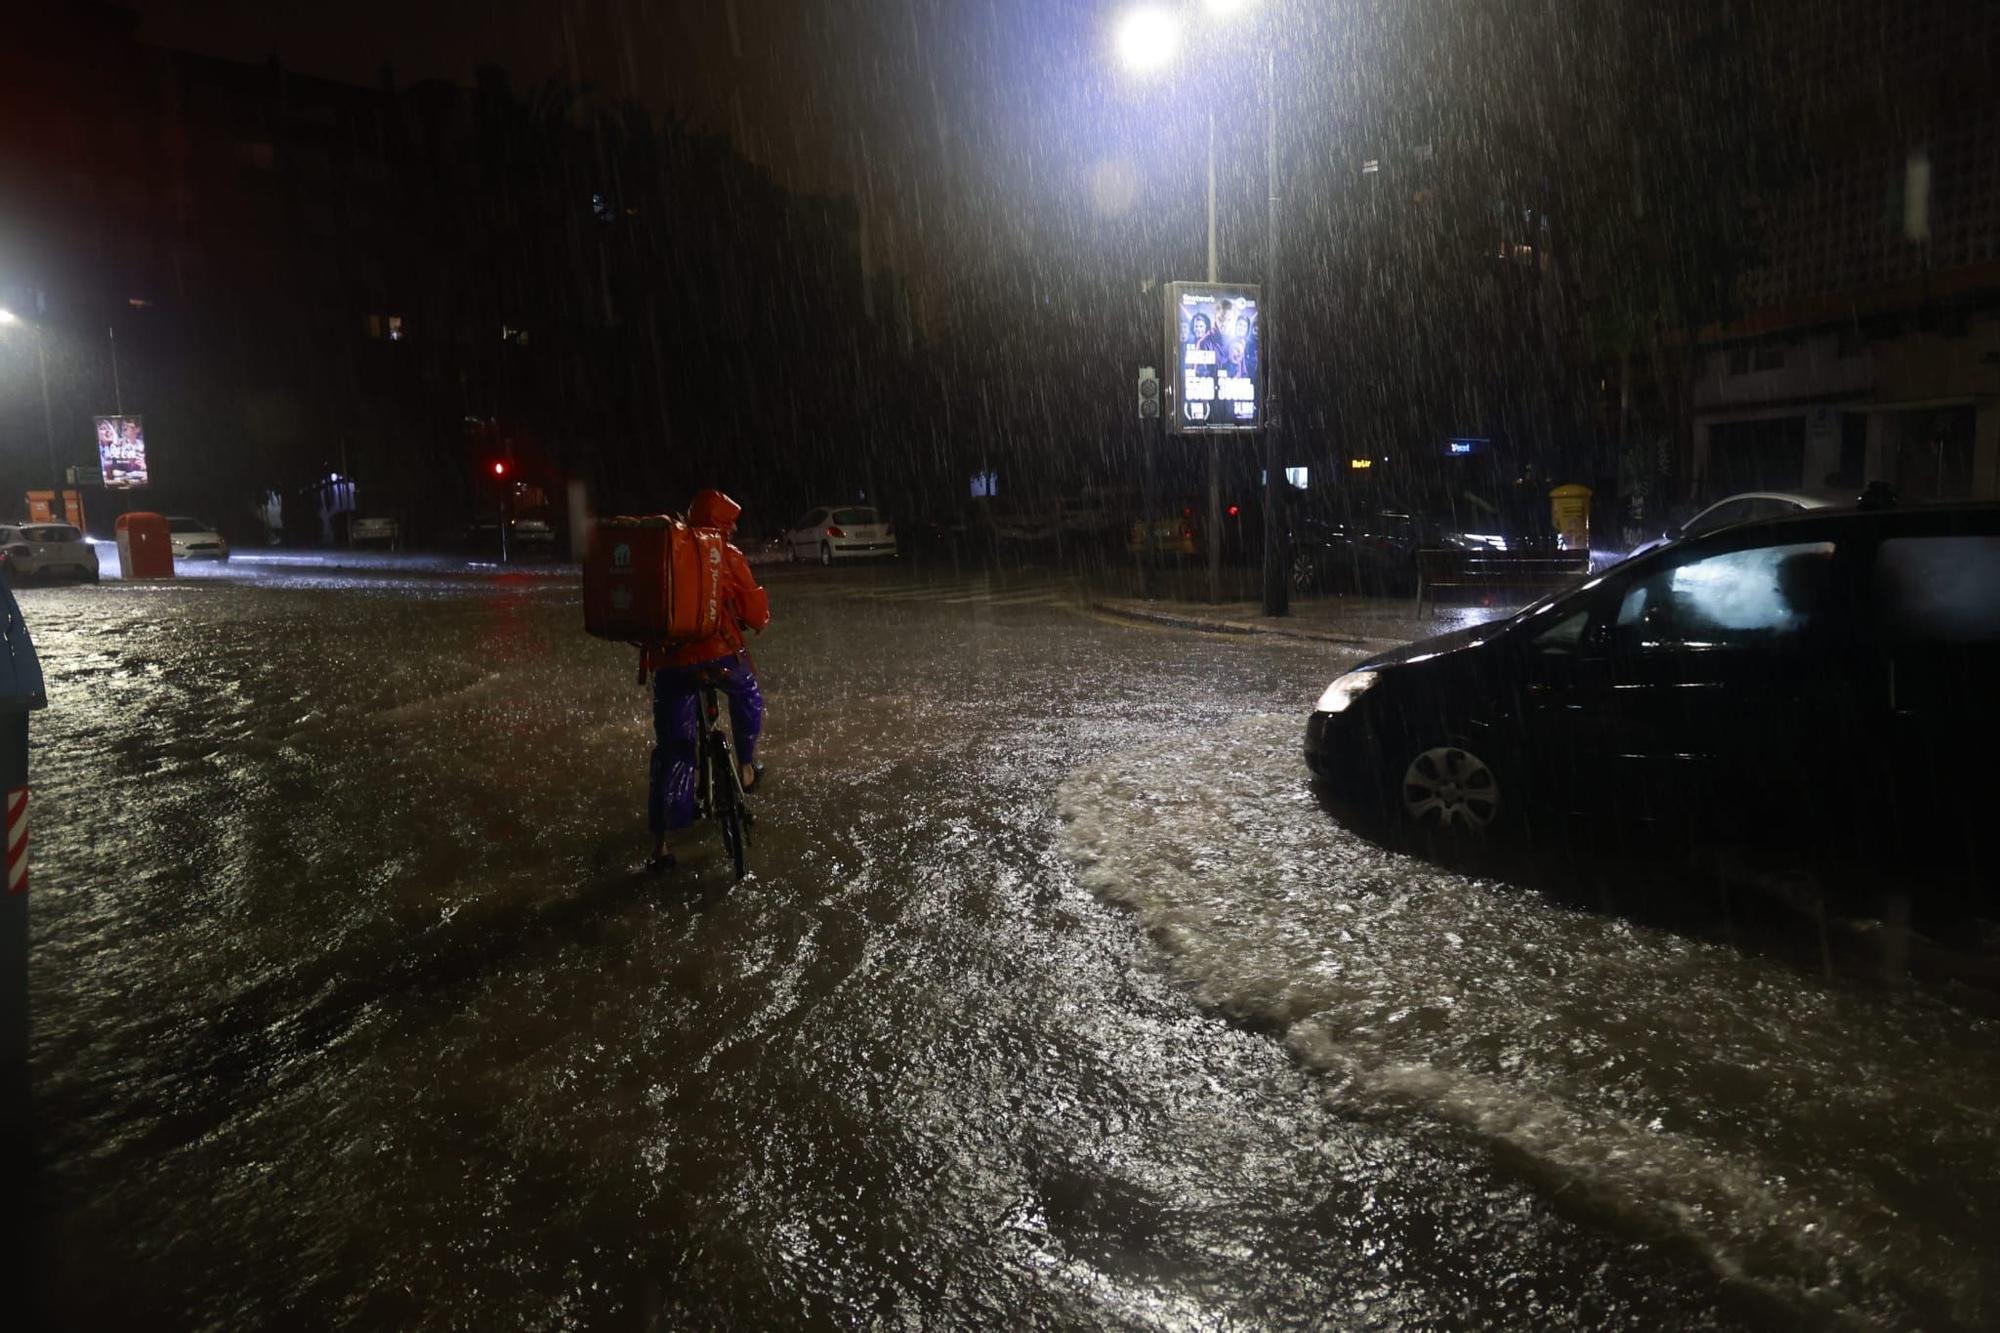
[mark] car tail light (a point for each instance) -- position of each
(833, 531)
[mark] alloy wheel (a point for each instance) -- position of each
(1450, 788)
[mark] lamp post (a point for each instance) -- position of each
(7, 318)
(1148, 40)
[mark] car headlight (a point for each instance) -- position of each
(1345, 690)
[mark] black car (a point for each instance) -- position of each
(1375, 551)
(1828, 681)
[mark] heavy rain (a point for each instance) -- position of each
(1144, 664)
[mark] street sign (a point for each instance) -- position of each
(1213, 340)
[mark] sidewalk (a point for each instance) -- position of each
(1372, 624)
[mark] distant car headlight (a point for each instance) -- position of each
(1345, 690)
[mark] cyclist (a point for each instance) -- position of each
(678, 671)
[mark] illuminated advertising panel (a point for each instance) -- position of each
(1213, 343)
(121, 452)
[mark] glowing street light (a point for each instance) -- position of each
(8, 317)
(1148, 38)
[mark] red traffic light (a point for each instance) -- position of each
(1234, 510)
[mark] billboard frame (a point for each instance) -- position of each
(104, 460)
(1175, 419)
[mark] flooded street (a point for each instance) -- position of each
(1054, 999)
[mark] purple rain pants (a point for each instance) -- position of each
(676, 729)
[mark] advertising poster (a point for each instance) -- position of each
(1212, 344)
(121, 452)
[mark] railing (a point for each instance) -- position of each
(1496, 569)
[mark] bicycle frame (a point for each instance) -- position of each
(718, 780)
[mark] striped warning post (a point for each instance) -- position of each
(17, 840)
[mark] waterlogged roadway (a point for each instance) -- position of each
(1054, 1000)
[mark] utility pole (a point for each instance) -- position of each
(48, 416)
(1277, 587)
(1214, 445)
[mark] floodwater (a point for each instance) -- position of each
(1053, 999)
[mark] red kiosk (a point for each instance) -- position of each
(144, 549)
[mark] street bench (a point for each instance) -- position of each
(362, 531)
(1496, 569)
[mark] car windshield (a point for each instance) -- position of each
(187, 525)
(855, 517)
(52, 533)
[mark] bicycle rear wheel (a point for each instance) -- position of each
(727, 809)
(732, 837)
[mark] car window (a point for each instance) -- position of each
(50, 534)
(1756, 597)
(814, 519)
(856, 517)
(1566, 635)
(1938, 589)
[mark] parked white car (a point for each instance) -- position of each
(840, 532)
(46, 551)
(193, 539)
(1744, 508)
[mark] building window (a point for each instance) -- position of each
(1770, 358)
(1739, 361)
(1371, 167)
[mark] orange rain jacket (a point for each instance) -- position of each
(745, 604)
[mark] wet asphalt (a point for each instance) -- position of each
(1053, 999)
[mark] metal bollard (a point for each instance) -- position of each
(20, 692)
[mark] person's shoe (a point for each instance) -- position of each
(660, 862)
(752, 775)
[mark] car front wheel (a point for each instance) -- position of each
(1454, 795)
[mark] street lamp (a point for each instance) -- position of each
(8, 317)
(1148, 39)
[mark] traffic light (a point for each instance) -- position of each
(1149, 393)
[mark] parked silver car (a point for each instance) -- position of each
(840, 532)
(1748, 507)
(193, 539)
(46, 551)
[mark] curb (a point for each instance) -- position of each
(1242, 629)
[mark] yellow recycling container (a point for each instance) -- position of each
(1569, 511)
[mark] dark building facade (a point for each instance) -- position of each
(1869, 347)
(302, 278)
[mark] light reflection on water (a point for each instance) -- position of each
(351, 1007)
(1830, 1143)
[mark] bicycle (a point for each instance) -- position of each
(718, 787)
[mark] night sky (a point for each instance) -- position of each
(974, 135)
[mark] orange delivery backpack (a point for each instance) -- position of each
(652, 580)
